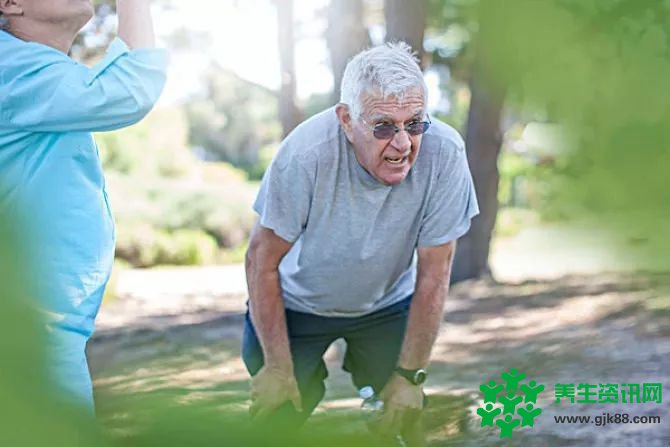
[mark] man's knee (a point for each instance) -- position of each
(310, 373)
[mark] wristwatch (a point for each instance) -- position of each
(414, 376)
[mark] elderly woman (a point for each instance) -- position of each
(49, 164)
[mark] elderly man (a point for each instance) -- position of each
(49, 163)
(358, 217)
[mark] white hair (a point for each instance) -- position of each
(388, 70)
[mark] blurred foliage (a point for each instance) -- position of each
(170, 207)
(179, 221)
(233, 120)
(451, 28)
(144, 245)
(156, 147)
(534, 184)
(514, 171)
(598, 68)
(459, 100)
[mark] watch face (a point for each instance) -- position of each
(419, 377)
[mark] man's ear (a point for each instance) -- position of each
(11, 7)
(343, 115)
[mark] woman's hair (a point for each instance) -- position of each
(385, 70)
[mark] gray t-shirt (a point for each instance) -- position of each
(354, 237)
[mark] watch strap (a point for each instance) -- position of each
(411, 374)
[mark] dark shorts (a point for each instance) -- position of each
(373, 347)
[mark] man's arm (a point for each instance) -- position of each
(403, 400)
(275, 383)
(425, 315)
(135, 26)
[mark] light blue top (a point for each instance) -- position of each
(49, 164)
(354, 237)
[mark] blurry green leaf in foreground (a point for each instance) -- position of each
(600, 69)
(30, 415)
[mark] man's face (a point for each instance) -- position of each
(387, 160)
(58, 11)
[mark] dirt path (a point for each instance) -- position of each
(576, 329)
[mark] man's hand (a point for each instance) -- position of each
(270, 388)
(403, 403)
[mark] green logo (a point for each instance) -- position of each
(504, 401)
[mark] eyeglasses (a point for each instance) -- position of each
(386, 131)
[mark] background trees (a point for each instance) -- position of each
(559, 102)
(346, 35)
(406, 21)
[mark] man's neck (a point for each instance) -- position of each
(57, 36)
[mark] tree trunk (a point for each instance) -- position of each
(346, 35)
(406, 20)
(289, 114)
(483, 141)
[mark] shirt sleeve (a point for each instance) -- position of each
(48, 92)
(285, 196)
(452, 203)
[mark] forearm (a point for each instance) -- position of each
(423, 324)
(425, 313)
(135, 24)
(268, 316)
